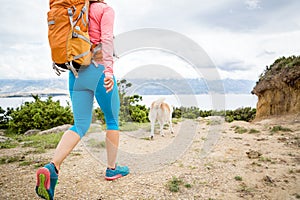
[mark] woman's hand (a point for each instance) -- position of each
(108, 84)
(98, 56)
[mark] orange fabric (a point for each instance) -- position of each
(64, 47)
(96, 55)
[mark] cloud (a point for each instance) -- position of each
(264, 16)
(23, 21)
(233, 66)
(23, 40)
(266, 53)
(253, 4)
(145, 63)
(27, 61)
(247, 51)
(174, 15)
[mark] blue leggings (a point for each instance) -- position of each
(82, 91)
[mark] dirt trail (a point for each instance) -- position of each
(207, 155)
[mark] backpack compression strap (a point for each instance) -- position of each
(73, 23)
(71, 12)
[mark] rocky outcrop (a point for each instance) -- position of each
(32, 132)
(278, 89)
(57, 129)
(4, 139)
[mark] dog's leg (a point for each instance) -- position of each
(152, 119)
(171, 126)
(152, 129)
(161, 127)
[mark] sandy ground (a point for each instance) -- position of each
(207, 155)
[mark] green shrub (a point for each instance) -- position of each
(130, 110)
(5, 117)
(177, 113)
(99, 115)
(9, 159)
(9, 144)
(242, 114)
(275, 129)
(138, 113)
(240, 130)
(253, 131)
(40, 115)
(187, 185)
(174, 184)
(229, 118)
(280, 64)
(238, 178)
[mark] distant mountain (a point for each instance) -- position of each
(16, 87)
(190, 86)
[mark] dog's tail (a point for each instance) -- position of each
(158, 102)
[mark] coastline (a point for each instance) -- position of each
(43, 93)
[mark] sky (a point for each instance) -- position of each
(240, 37)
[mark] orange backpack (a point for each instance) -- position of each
(68, 35)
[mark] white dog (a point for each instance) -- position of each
(161, 112)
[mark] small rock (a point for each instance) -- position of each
(268, 179)
(57, 129)
(2, 132)
(253, 154)
(261, 139)
(22, 158)
(4, 139)
(282, 139)
(32, 132)
(26, 143)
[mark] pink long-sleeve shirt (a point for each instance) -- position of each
(101, 21)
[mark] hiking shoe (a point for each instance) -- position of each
(46, 181)
(118, 172)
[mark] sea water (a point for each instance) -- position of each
(204, 101)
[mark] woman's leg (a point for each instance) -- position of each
(82, 105)
(110, 105)
(112, 145)
(82, 97)
(66, 144)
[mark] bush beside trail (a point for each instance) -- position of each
(241, 114)
(40, 115)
